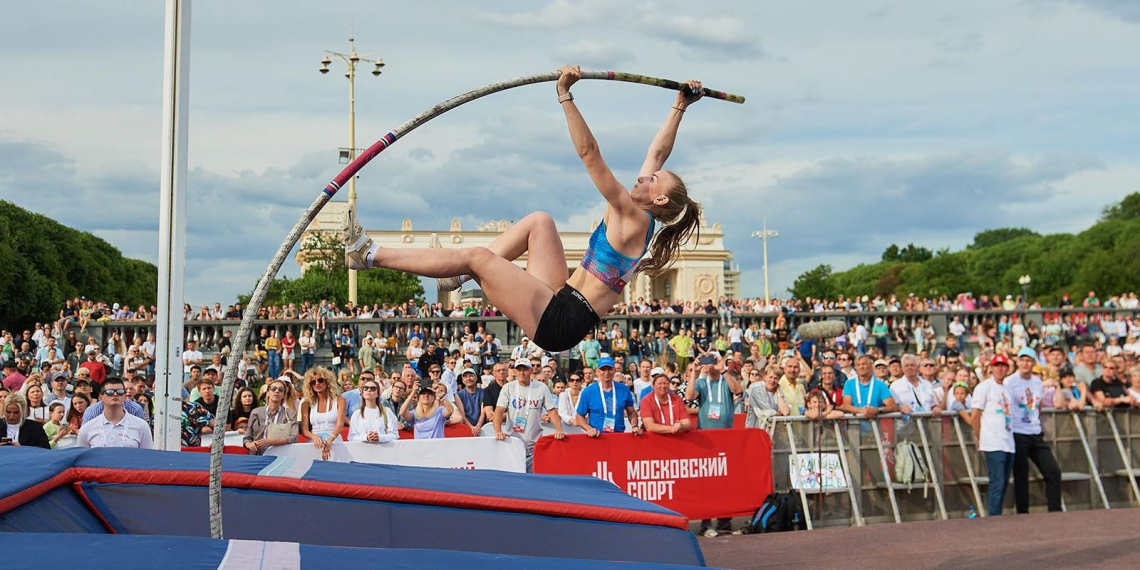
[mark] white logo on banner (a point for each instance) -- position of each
(653, 479)
(603, 472)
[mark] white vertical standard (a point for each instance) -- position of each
(172, 226)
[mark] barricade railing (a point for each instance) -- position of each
(209, 333)
(844, 470)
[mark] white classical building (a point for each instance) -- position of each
(703, 271)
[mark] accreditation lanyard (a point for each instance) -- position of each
(669, 397)
(870, 390)
(613, 400)
(720, 393)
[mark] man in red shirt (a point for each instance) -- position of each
(94, 365)
(13, 380)
(662, 411)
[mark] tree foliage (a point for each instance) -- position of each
(327, 278)
(993, 237)
(814, 283)
(44, 262)
(1103, 258)
(909, 254)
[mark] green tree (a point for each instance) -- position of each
(987, 238)
(1104, 258)
(909, 254)
(44, 262)
(814, 283)
(327, 278)
(1127, 209)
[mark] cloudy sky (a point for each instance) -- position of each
(867, 123)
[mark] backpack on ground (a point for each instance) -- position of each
(778, 513)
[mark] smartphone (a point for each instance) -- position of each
(425, 382)
(708, 359)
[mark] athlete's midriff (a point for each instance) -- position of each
(600, 296)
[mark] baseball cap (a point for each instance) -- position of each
(999, 359)
(657, 372)
(1026, 351)
(880, 362)
(606, 361)
(953, 352)
(467, 371)
(878, 319)
(894, 359)
(523, 363)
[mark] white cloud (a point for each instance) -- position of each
(556, 15)
(594, 54)
(718, 35)
(869, 126)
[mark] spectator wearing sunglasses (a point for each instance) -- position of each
(115, 427)
(271, 424)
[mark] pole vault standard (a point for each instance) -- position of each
(172, 227)
(295, 234)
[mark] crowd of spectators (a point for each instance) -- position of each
(82, 311)
(667, 381)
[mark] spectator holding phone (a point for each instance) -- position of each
(18, 428)
(428, 416)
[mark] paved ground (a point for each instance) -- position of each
(1084, 539)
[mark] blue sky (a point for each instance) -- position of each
(867, 123)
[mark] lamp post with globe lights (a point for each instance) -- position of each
(763, 235)
(351, 60)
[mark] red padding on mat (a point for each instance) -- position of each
(98, 514)
(343, 490)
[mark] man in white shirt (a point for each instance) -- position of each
(993, 427)
(190, 357)
(912, 392)
(736, 337)
(115, 427)
(520, 406)
(958, 330)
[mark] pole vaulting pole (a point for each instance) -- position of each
(172, 227)
(386, 141)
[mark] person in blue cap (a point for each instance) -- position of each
(603, 404)
(1029, 444)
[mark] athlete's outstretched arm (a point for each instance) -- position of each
(587, 146)
(662, 145)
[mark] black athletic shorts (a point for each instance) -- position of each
(565, 321)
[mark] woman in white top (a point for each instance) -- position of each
(568, 400)
(322, 410)
(372, 423)
(415, 351)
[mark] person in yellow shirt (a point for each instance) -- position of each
(790, 387)
(682, 344)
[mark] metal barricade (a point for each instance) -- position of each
(1096, 452)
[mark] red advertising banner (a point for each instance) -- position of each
(701, 474)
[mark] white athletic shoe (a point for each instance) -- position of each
(356, 243)
(443, 283)
(711, 533)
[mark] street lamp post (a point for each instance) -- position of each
(351, 59)
(763, 235)
(1024, 280)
